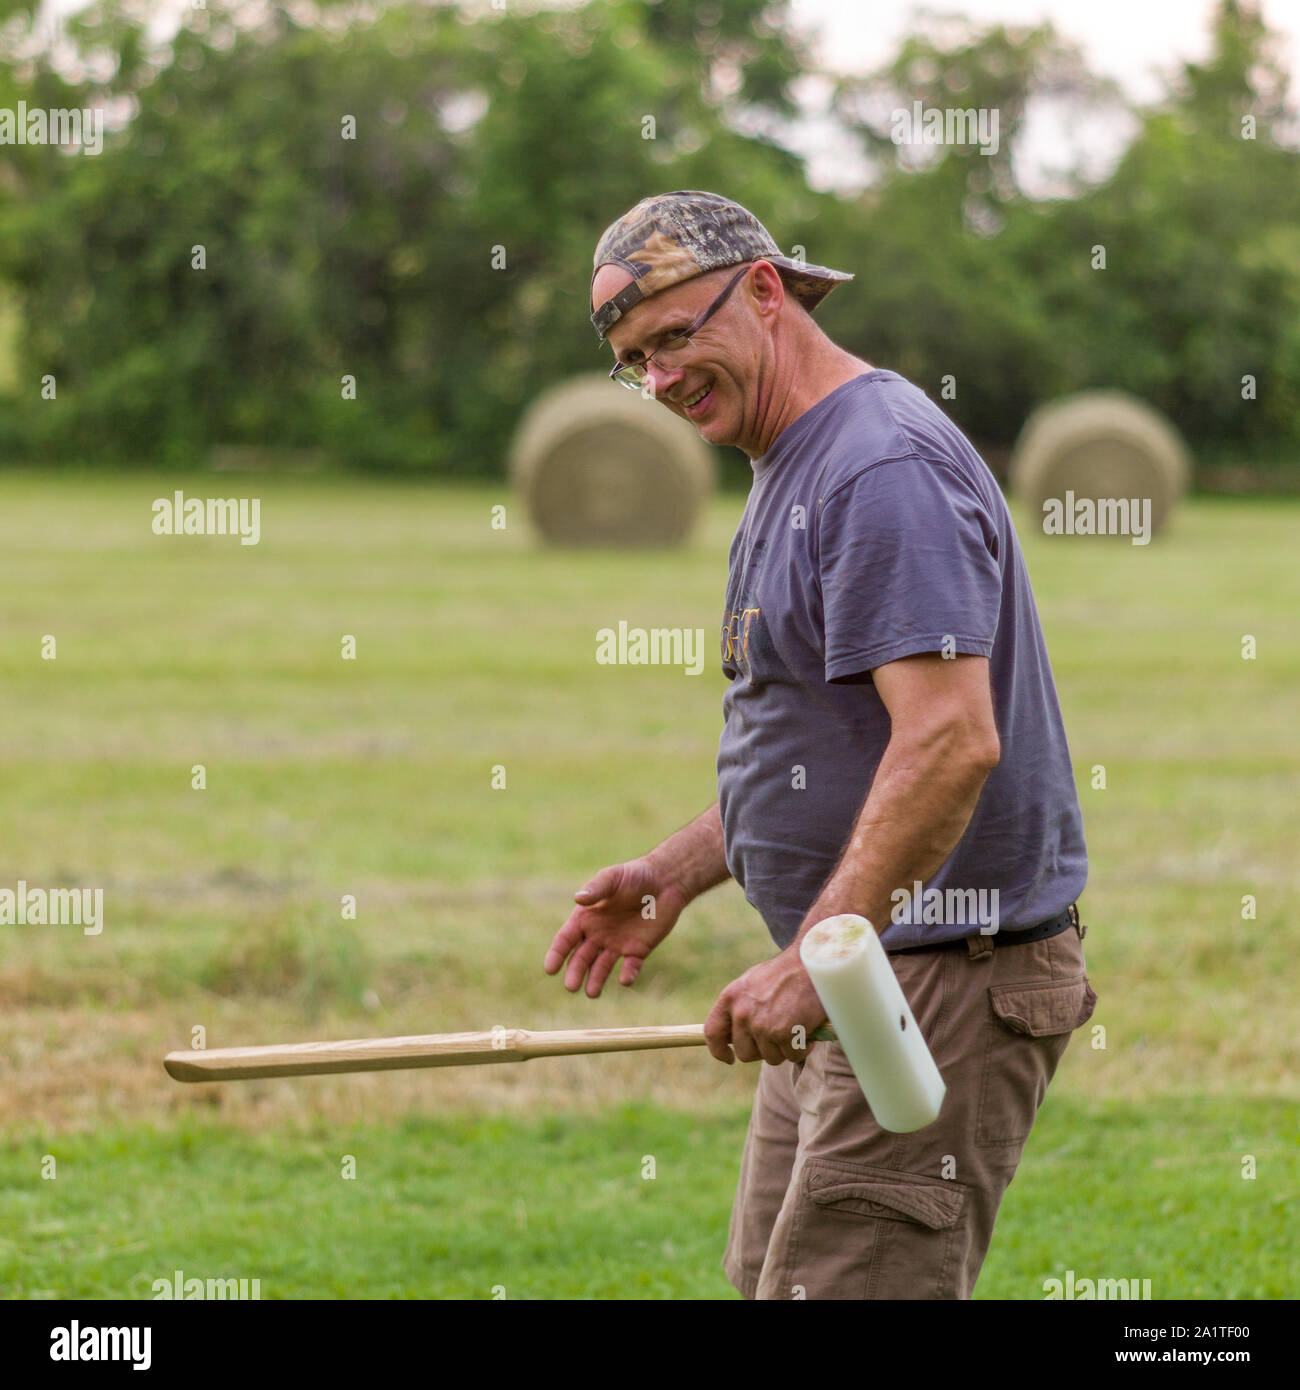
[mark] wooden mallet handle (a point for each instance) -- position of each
(425, 1050)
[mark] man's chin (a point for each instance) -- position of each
(710, 436)
(711, 428)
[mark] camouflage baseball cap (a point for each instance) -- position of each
(675, 236)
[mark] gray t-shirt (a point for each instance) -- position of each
(874, 531)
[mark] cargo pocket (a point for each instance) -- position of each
(886, 1234)
(884, 1192)
(1033, 1027)
(1043, 1009)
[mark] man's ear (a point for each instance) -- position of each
(767, 288)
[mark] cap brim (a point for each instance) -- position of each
(810, 284)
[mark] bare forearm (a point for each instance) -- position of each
(695, 857)
(919, 806)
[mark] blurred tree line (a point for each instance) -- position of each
(233, 255)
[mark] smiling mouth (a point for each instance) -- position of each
(694, 404)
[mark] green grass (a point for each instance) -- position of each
(558, 1208)
(373, 778)
(438, 1209)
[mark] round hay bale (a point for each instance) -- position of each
(598, 465)
(1100, 445)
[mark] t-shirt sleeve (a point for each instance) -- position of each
(907, 563)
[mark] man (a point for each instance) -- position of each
(891, 723)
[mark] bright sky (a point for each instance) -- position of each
(1131, 41)
(1123, 39)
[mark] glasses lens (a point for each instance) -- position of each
(631, 377)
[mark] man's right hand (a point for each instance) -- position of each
(610, 922)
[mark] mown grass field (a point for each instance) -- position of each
(373, 778)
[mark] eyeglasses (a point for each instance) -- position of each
(634, 375)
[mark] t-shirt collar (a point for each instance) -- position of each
(790, 437)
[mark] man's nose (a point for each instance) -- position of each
(662, 379)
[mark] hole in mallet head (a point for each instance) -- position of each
(902, 1022)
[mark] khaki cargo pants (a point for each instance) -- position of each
(829, 1205)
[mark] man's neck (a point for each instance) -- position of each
(824, 369)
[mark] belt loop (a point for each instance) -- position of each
(979, 946)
